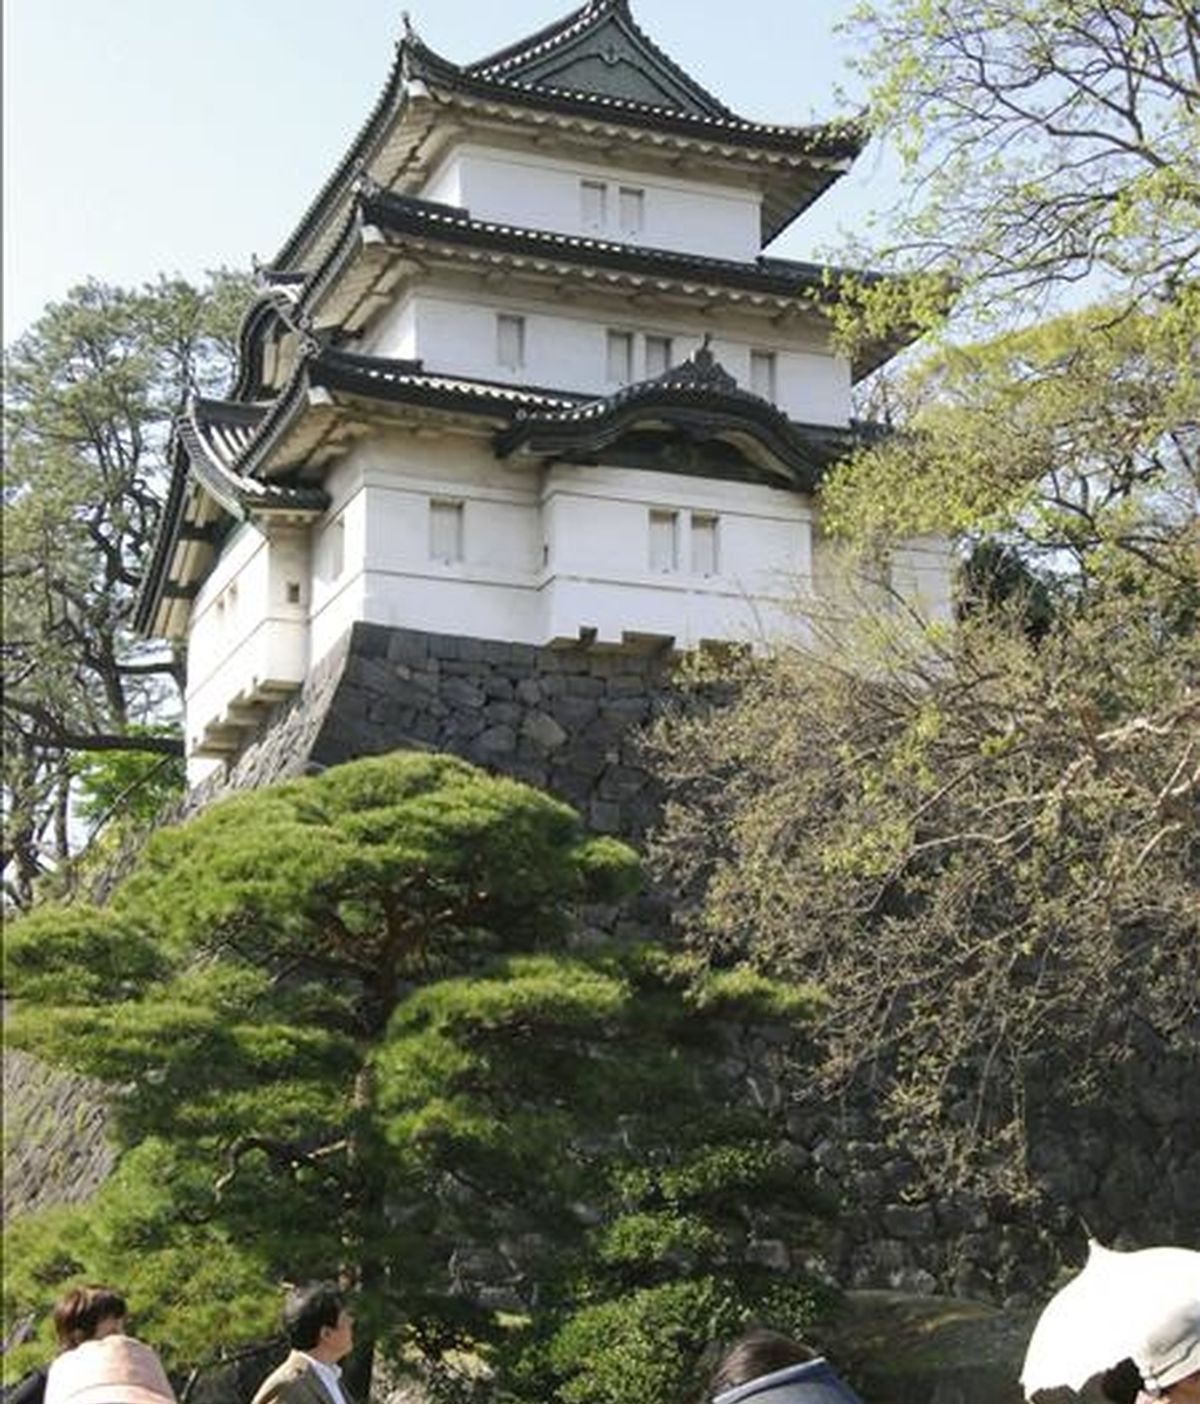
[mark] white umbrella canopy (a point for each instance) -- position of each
(1101, 1316)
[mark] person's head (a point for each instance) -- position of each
(317, 1322)
(114, 1369)
(753, 1355)
(88, 1314)
(1169, 1355)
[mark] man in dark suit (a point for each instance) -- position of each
(321, 1332)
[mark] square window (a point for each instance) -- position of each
(593, 196)
(664, 541)
(704, 544)
(510, 341)
(620, 357)
(630, 210)
(762, 374)
(658, 355)
(445, 531)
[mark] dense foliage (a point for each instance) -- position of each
(348, 1032)
(90, 393)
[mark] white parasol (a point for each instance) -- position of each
(1101, 1316)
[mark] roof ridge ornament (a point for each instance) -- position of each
(701, 371)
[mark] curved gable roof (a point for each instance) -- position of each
(600, 49)
(698, 399)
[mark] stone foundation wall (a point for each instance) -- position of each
(564, 719)
(56, 1150)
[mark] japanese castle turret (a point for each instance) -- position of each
(521, 375)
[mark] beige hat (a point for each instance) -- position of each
(1170, 1350)
(112, 1370)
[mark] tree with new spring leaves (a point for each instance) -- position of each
(982, 842)
(348, 1033)
(91, 391)
(1043, 142)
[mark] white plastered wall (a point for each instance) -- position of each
(455, 334)
(547, 555)
(249, 629)
(530, 191)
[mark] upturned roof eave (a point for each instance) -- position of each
(573, 27)
(193, 461)
(414, 60)
(154, 580)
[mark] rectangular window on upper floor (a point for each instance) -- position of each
(620, 357)
(664, 541)
(704, 544)
(762, 374)
(611, 213)
(593, 197)
(510, 341)
(630, 210)
(445, 531)
(658, 355)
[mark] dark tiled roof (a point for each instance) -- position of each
(380, 378)
(405, 214)
(216, 435)
(838, 140)
(210, 438)
(626, 44)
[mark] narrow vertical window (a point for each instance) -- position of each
(704, 544)
(510, 341)
(337, 548)
(664, 541)
(620, 357)
(658, 355)
(762, 374)
(445, 531)
(630, 210)
(593, 196)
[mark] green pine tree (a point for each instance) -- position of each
(349, 1031)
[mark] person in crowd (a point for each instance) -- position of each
(320, 1331)
(765, 1367)
(88, 1314)
(80, 1314)
(100, 1364)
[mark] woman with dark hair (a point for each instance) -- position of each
(80, 1314)
(764, 1367)
(88, 1314)
(99, 1363)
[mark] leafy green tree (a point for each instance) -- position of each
(1043, 142)
(1077, 439)
(349, 1031)
(983, 843)
(90, 394)
(984, 849)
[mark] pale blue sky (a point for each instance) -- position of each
(147, 136)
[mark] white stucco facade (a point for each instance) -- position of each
(530, 191)
(566, 346)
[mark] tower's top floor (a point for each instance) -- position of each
(578, 90)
